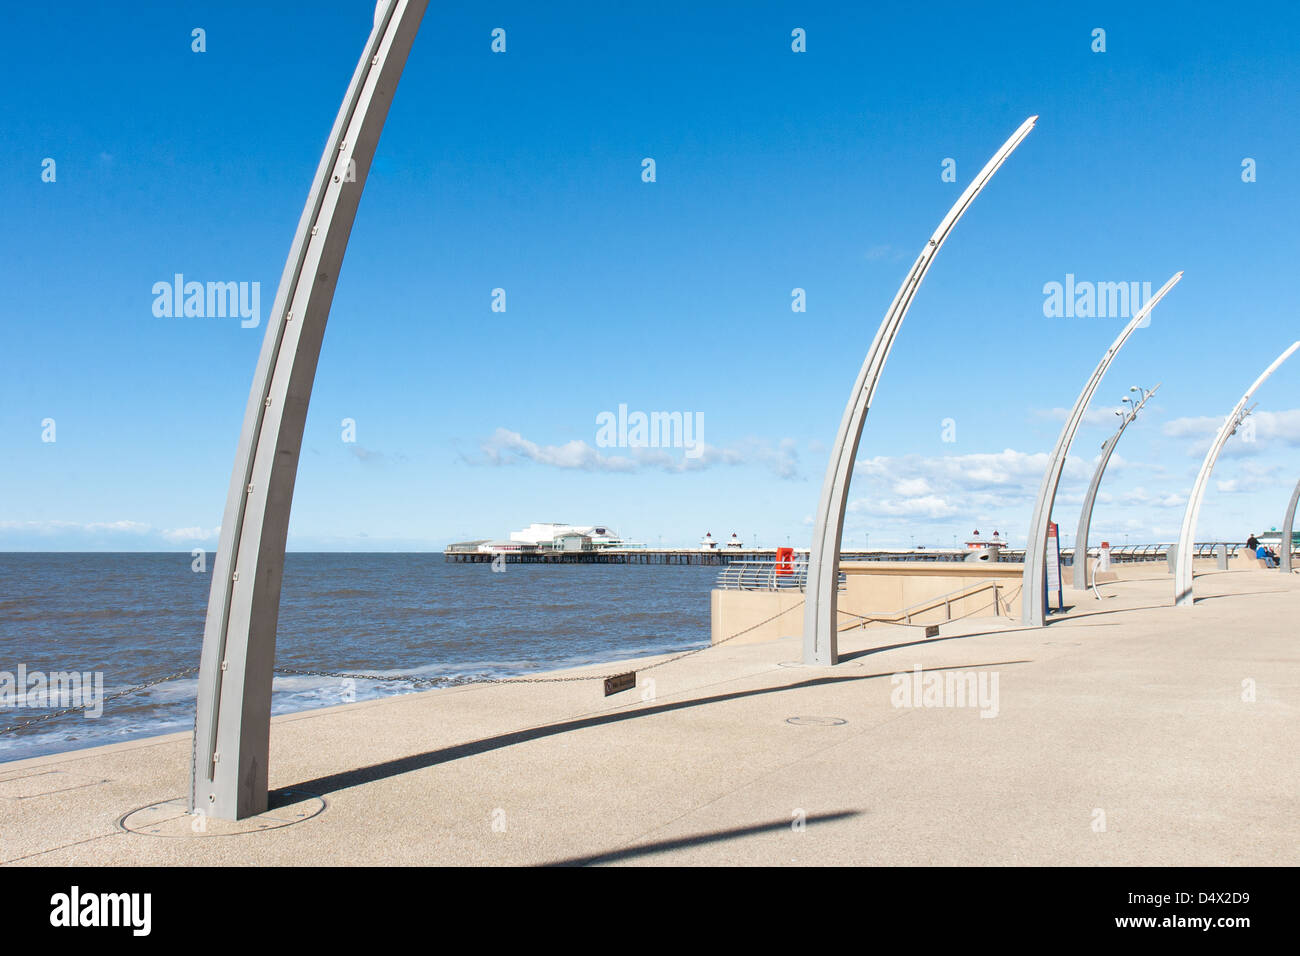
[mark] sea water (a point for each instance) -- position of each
(134, 617)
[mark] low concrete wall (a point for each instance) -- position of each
(883, 588)
(749, 613)
(872, 589)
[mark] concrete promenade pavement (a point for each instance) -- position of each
(1121, 738)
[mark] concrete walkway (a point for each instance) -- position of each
(1121, 736)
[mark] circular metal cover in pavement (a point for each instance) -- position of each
(171, 818)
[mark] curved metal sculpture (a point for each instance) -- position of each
(820, 635)
(1284, 559)
(1183, 595)
(1033, 597)
(228, 776)
(1085, 515)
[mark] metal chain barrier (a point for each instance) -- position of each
(417, 680)
(424, 681)
(188, 672)
(1013, 592)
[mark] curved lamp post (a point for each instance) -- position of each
(1284, 559)
(1183, 595)
(1033, 601)
(232, 728)
(820, 634)
(1085, 515)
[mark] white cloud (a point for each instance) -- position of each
(182, 535)
(1093, 416)
(1251, 476)
(933, 498)
(71, 533)
(912, 487)
(507, 447)
(926, 506)
(1005, 469)
(1282, 426)
(94, 527)
(1260, 430)
(129, 527)
(1140, 496)
(997, 489)
(1202, 427)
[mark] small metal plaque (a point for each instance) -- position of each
(619, 683)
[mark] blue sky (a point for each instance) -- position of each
(775, 170)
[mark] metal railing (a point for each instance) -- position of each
(1132, 553)
(1128, 553)
(766, 576)
(943, 600)
(1208, 549)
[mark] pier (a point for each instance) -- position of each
(687, 556)
(696, 556)
(631, 556)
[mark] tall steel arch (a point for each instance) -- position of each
(1183, 571)
(1284, 556)
(1033, 597)
(821, 612)
(1085, 513)
(232, 728)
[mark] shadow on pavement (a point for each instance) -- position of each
(392, 768)
(699, 839)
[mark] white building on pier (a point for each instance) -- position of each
(547, 535)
